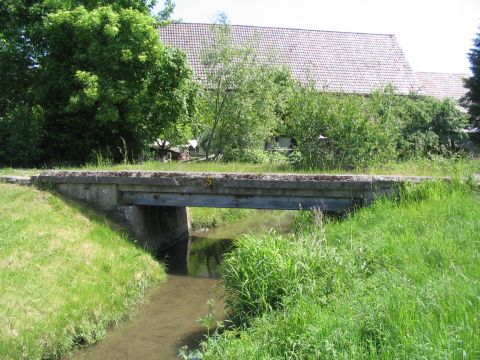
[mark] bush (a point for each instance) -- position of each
(20, 136)
(337, 131)
(255, 156)
(429, 126)
(347, 131)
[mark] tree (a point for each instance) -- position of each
(164, 15)
(240, 96)
(472, 98)
(94, 76)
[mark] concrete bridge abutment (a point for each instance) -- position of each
(163, 230)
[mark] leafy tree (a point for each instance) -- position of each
(91, 74)
(240, 98)
(428, 126)
(472, 98)
(338, 130)
(164, 15)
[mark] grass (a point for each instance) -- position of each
(203, 218)
(65, 275)
(160, 166)
(400, 279)
(435, 167)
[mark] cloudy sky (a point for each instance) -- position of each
(434, 34)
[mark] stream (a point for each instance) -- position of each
(167, 319)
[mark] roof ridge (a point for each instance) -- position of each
(286, 28)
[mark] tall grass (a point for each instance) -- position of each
(396, 280)
(434, 167)
(65, 275)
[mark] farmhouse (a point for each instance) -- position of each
(336, 61)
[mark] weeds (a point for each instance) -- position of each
(397, 280)
(203, 218)
(123, 150)
(101, 159)
(429, 167)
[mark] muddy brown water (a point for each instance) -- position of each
(168, 319)
(163, 323)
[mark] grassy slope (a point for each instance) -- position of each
(65, 275)
(396, 280)
(439, 167)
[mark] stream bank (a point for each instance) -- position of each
(167, 320)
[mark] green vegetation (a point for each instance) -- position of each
(65, 275)
(201, 218)
(80, 77)
(91, 81)
(235, 124)
(399, 279)
(330, 130)
(437, 166)
(252, 221)
(472, 98)
(352, 131)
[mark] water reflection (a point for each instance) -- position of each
(206, 255)
(163, 323)
(167, 320)
(203, 253)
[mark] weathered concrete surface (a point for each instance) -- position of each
(152, 205)
(262, 191)
(155, 227)
(18, 180)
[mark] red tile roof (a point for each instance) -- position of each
(442, 85)
(336, 61)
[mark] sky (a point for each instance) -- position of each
(435, 35)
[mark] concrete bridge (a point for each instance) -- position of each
(153, 205)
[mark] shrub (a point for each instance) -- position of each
(248, 155)
(21, 135)
(353, 136)
(428, 126)
(346, 130)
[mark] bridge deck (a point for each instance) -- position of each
(261, 191)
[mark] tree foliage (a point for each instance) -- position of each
(472, 98)
(338, 130)
(89, 75)
(164, 15)
(240, 98)
(346, 130)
